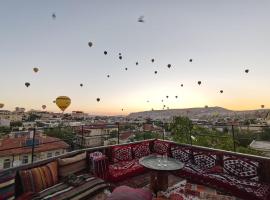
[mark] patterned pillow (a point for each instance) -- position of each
(141, 150)
(182, 154)
(121, 153)
(39, 178)
(72, 165)
(241, 167)
(161, 147)
(7, 185)
(205, 160)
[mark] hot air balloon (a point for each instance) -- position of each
(176, 97)
(27, 84)
(120, 57)
(137, 63)
(53, 15)
(54, 101)
(108, 76)
(199, 82)
(152, 109)
(90, 44)
(247, 70)
(182, 85)
(162, 100)
(147, 101)
(35, 69)
(169, 65)
(119, 54)
(190, 60)
(168, 108)
(63, 102)
(155, 72)
(105, 52)
(126, 68)
(152, 60)
(1, 105)
(122, 109)
(43, 107)
(262, 106)
(221, 91)
(141, 19)
(167, 97)
(98, 99)
(81, 84)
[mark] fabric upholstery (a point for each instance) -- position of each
(140, 150)
(180, 153)
(121, 153)
(7, 185)
(204, 160)
(39, 178)
(124, 169)
(125, 192)
(161, 147)
(72, 165)
(241, 167)
(243, 188)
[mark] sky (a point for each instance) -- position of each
(223, 38)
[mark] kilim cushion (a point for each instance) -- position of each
(161, 147)
(140, 150)
(121, 153)
(7, 185)
(72, 165)
(205, 160)
(241, 167)
(180, 153)
(39, 178)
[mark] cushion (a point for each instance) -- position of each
(39, 178)
(140, 150)
(124, 169)
(161, 147)
(125, 192)
(7, 185)
(72, 165)
(241, 167)
(205, 160)
(121, 153)
(180, 153)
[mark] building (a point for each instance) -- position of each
(16, 148)
(12, 116)
(4, 122)
(262, 146)
(79, 115)
(95, 134)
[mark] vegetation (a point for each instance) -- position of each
(146, 135)
(183, 131)
(65, 134)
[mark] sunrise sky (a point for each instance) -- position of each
(222, 37)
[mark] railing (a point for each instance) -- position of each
(234, 133)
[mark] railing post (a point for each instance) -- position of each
(118, 133)
(163, 134)
(33, 145)
(234, 148)
(82, 135)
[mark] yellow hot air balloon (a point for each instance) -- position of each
(1, 105)
(63, 102)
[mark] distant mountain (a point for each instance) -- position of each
(200, 113)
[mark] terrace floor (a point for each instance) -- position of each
(143, 181)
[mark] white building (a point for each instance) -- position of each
(5, 122)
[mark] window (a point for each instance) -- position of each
(57, 153)
(7, 163)
(49, 155)
(25, 160)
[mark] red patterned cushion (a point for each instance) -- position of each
(124, 169)
(121, 153)
(204, 160)
(241, 167)
(140, 150)
(243, 188)
(39, 178)
(161, 147)
(180, 153)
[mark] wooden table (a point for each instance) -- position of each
(160, 167)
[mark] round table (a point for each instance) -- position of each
(160, 167)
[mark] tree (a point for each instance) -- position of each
(181, 129)
(65, 134)
(16, 124)
(265, 135)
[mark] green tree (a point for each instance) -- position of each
(181, 128)
(16, 124)
(65, 134)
